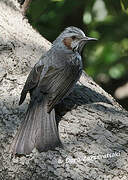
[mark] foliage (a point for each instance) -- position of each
(106, 20)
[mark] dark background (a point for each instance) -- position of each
(106, 61)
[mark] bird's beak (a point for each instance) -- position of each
(89, 39)
(83, 41)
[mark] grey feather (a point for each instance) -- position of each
(37, 130)
(51, 79)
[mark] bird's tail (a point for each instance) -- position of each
(38, 130)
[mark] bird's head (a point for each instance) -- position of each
(72, 39)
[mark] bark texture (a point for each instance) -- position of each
(93, 127)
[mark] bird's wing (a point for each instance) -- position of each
(61, 82)
(32, 81)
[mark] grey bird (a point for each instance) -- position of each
(51, 79)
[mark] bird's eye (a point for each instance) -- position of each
(73, 37)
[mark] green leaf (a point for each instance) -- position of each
(117, 71)
(124, 5)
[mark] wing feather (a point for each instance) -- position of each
(32, 81)
(62, 84)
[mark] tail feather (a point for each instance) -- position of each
(38, 130)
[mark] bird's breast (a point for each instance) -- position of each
(76, 61)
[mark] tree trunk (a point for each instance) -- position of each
(93, 127)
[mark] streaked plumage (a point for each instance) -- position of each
(51, 79)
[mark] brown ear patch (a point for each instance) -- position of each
(67, 42)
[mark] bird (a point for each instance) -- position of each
(51, 79)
